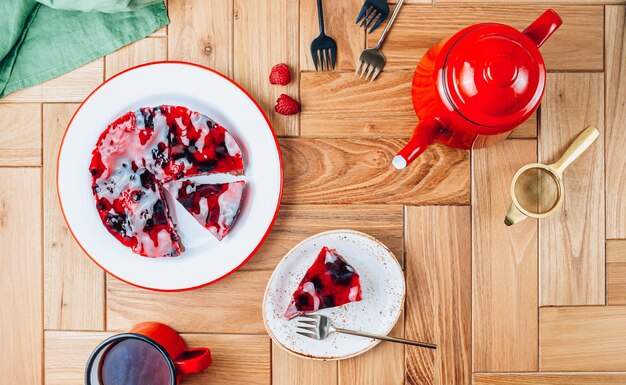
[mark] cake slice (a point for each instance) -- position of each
(199, 146)
(329, 282)
(133, 209)
(214, 206)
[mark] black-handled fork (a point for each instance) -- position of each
(323, 47)
(373, 10)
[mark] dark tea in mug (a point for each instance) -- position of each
(134, 362)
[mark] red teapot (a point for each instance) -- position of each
(471, 89)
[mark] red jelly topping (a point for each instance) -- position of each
(329, 282)
(142, 150)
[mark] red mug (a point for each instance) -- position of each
(150, 353)
(471, 89)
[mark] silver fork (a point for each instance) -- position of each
(372, 60)
(319, 327)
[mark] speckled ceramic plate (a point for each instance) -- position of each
(382, 283)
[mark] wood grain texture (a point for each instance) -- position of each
(359, 171)
(577, 45)
(571, 248)
(20, 277)
(201, 32)
(615, 135)
(237, 359)
(266, 34)
(74, 285)
(504, 264)
(616, 272)
(383, 365)
(339, 17)
(439, 254)
(73, 87)
(20, 135)
(297, 222)
(230, 306)
(288, 369)
(550, 379)
(340, 105)
(583, 338)
(142, 51)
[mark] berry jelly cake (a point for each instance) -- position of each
(143, 150)
(329, 282)
(215, 206)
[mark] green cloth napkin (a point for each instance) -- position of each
(45, 39)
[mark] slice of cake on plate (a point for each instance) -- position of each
(329, 282)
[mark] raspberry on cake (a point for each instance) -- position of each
(329, 282)
(214, 206)
(139, 153)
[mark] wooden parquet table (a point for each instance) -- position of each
(536, 303)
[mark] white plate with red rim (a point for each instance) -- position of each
(382, 285)
(205, 259)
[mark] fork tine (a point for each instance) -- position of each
(323, 60)
(314, 336)
(369, 71)
(328, 54)
(374, 16)
(364, 68)
(307, 322)
(314, 56)
(307, 328)
(333, 56)
(311, 316)
(367, 15)
(364, 9)
(359, 63)
(376, 74)
(377, 23)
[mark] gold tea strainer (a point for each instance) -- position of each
(537, 188)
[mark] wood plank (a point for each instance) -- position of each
(340, 105)
(353, 171)
(366, 368)
(232, 305)
(615, 75)
(438, 244)
(616, 272)
(504, 265)
(616, 251)
(343, 106)
(577, 45)
(265, 34)
(571, 248)
(73, 86)
(201, 32)
(142, 51)
(550, 378)
(20, 135)
(237, 359)
(339, 17)
(296, 222)
(20, 277)
(288, 369)
(74, 285)
(582, 338)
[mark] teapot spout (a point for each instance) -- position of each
(423, 136)
(542, 28)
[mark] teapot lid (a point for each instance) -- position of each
(494, 76)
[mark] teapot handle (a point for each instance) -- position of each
(542, 28)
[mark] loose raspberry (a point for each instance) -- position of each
(286, 105)
(280, 74)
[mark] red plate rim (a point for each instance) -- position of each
(280, 160)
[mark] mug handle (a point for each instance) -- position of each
(192, 361)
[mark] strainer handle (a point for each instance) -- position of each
(580, 144)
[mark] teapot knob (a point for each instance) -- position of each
(542, 28)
